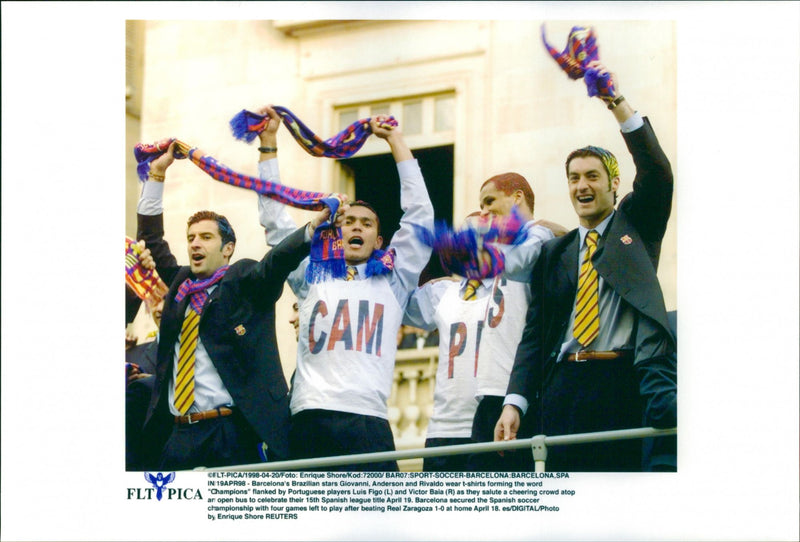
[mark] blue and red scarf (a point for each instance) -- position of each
(472, 251)
(581, 49)
(196, 288)
(145, 283)
(246, 126)
(327, 249)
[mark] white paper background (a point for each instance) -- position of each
(62, 222)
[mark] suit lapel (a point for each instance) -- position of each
(569, 260)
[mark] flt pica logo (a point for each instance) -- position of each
(159, 490)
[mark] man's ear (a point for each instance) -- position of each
(615, 184)
(227, 250)
(379, 242)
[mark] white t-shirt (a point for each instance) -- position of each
(454, 403)
(347, 347)
(502, 331)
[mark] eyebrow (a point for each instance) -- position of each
(359, 217)
(596, 171)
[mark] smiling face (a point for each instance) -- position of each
(206, 252)
(360, 234)
(591, 191)
(497, 202)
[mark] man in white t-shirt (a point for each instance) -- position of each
(508, 296)
(449, 306)
(348, 327)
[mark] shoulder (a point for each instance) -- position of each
(239, 268)
(559, 244)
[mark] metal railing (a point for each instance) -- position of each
(538, 445)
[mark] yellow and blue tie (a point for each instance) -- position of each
(587, 315)
(351, 272)
(470, 292)
(184, 382)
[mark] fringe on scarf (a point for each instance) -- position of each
(246, 126)
(472, 251)
(145, 283)
(582, 49)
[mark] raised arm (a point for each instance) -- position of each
(272, 214)
(650, 204)
(412, 254)
(150, 217)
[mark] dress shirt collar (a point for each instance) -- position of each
(600, 229)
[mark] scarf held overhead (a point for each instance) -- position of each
(246, 126)
(581, 49)
(327, 249)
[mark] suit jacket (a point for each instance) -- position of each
(604, 395)
(237, 328)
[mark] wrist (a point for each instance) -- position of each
(613, 104)
(157, 176)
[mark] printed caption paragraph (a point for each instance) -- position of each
(252, 496)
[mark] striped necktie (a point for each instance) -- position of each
(184, 382)
(352, 272)
(470, 292)
(587, 317)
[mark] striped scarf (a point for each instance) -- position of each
(145, 283)
(197, 289)
(246, 126)
(580, 50)
(327, 249)
(471, 251)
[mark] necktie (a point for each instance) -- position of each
(184, 382)
(587, 318)
(471, 289)
(352, 272)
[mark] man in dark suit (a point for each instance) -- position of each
(218, 371)
(607, 361)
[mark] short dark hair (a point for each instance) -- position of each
(225, 229)
(606, 158)
(362, 203)
(510, 182)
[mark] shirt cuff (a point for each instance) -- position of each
(634, 122)
(518, 401)
(268, 170)
(150, 202)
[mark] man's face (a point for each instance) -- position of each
(206, 253)
(496, 202)
(590, 191)
(360, 234)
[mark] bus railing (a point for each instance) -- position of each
(537, 444)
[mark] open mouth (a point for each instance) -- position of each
(197, 258)
(585, 199)
(356, 242)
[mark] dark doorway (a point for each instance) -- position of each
(377, 183)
